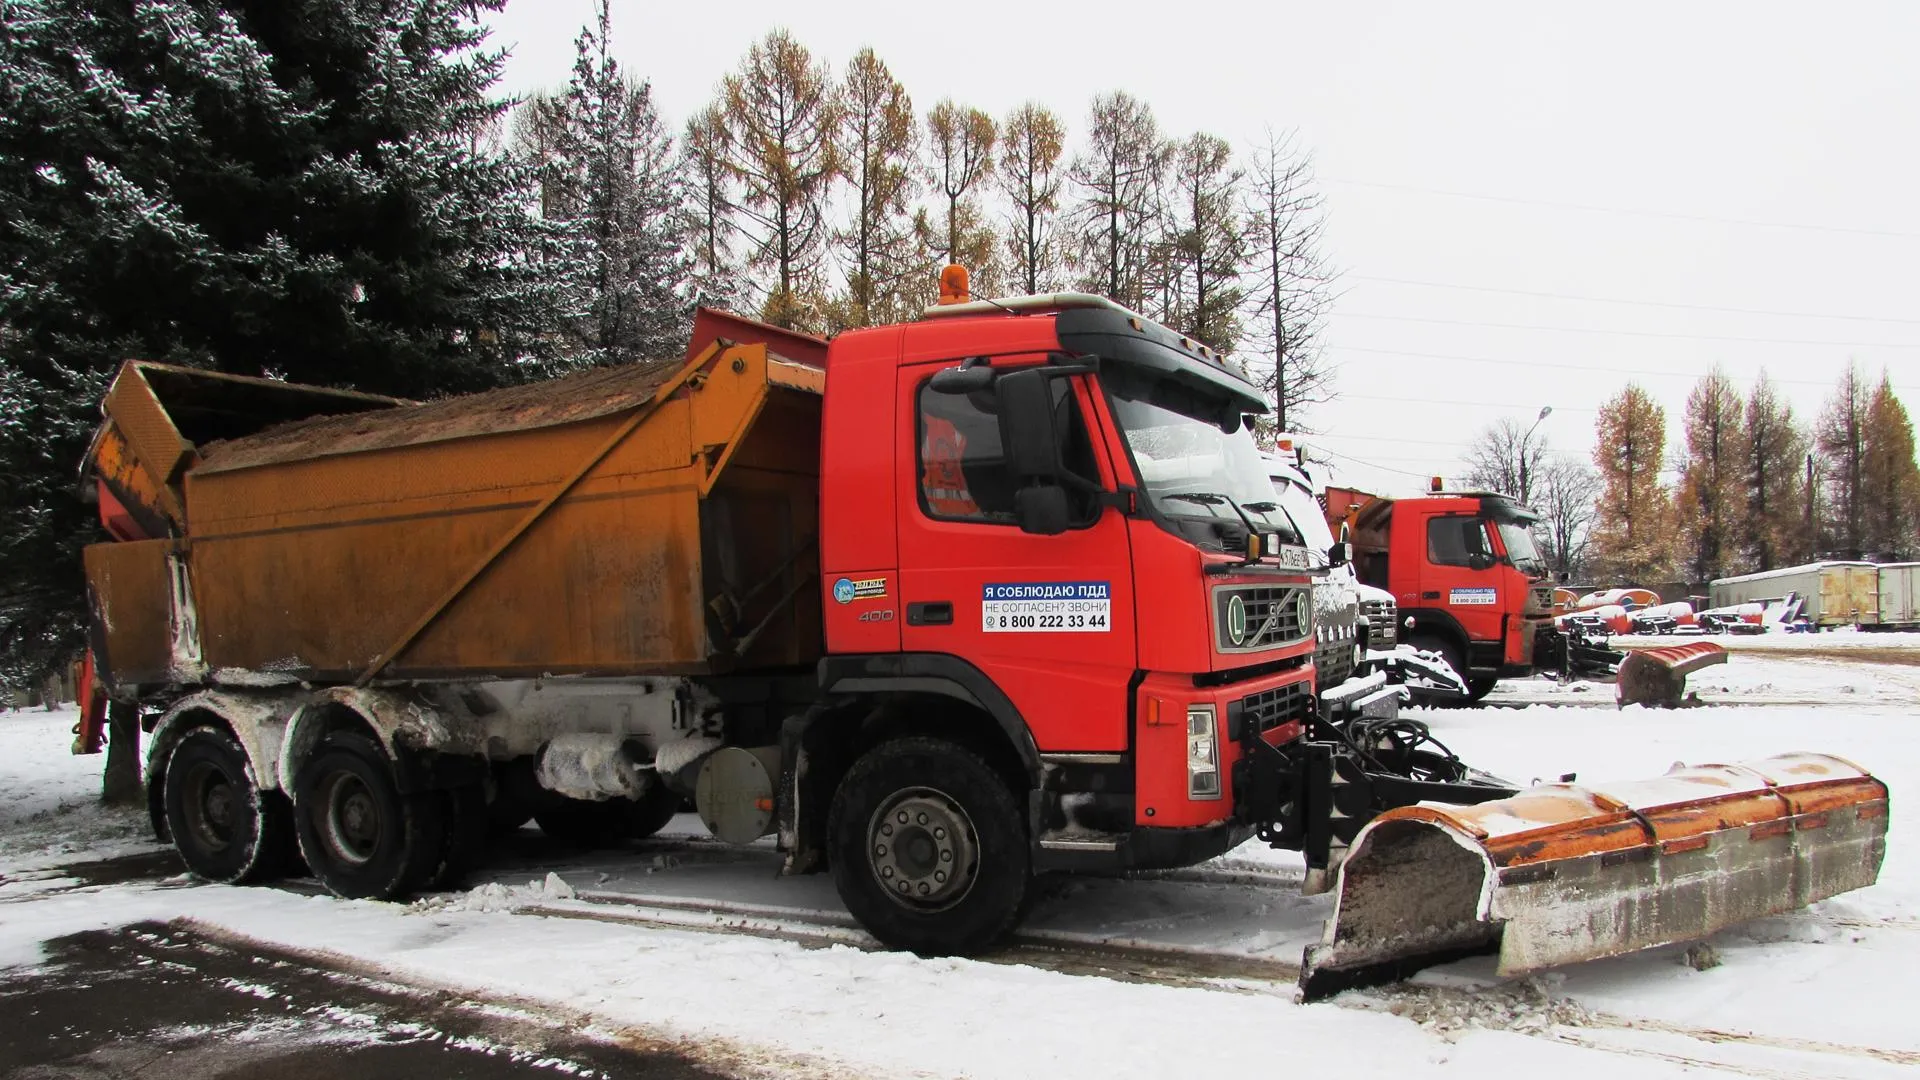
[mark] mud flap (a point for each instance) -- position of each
(1560, 874)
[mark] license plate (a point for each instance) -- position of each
(1293, 557)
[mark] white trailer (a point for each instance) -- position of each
(1900, 595)
(1832, 593)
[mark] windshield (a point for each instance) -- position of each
(1521, 551)
(1188, 466)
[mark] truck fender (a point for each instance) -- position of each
(256, 720)
(399, 720)
(933, 673)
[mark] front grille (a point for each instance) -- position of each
(1262, 617)
(1380, 623)
(1269, 709)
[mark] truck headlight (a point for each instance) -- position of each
(1203, 753)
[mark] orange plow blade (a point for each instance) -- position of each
(1563, 873)
(1659, 676)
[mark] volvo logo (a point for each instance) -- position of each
(1236, 620)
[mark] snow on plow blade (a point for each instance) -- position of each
(1659, 676)
(1563, 873)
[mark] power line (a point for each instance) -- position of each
(1669, 215)
(1604, 368)
(1634, 333)
(1466, 404)
(1619, 300)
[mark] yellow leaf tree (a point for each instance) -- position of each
(1633, 537)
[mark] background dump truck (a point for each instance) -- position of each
(944, 605)
(1464, 571)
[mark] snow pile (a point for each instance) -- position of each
(50, 808)
(495, 897)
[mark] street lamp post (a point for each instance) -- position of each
(1526, 491)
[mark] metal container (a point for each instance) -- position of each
(630, 520)
(1831, 593)
(1900, 596)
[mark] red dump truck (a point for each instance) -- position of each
(945, 605)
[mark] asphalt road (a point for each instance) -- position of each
(157, 1001)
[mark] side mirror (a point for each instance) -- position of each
(1042, 510)
(964, 379)
(1027, 434)
(1340, 554)
(1479, 561)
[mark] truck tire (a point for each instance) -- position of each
(361, 837)
(1480, 686)
(226, 829)
(467, 826)
(929, 848)
(1456, 658)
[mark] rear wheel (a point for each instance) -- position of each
(225, 828)
(929, 848)
(360, 835)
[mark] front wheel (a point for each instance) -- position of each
(929, 848)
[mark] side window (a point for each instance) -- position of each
(1454, 541)
(963, 469)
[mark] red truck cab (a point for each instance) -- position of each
(1041, 509)
(1469, 582)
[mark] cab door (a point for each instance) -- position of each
(1462, 574)
(1049, 619)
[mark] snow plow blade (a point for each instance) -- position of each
(1562, 873)
(1659, 676)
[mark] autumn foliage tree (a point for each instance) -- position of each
(1118, 178)
(1206, 243)
(1710, 501)
(877, 146)
(960, 143)
(1772, 486)
(1889, 478)
(1841, 437)
(1632, 540)
(1031, 144)
(783, 151)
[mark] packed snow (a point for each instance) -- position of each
(669, 939)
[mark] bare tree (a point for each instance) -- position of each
(1031, 144)
(1507, 458)
(1568, 493)
(1293, 281)
(960, 140)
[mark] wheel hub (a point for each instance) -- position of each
(351, 826)
(211, 806)
(923, 849)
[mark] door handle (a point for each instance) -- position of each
(1430, 595)
(930, 613)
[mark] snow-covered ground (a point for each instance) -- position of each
(1837, 640)
(1753, 677)
(1817, 993)
(50, 799)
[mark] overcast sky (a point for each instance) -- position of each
(1531, 205)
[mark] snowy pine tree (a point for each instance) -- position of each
(299, 189)
(607, 176)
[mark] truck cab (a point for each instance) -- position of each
(1463, 569)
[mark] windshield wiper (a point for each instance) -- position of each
(1215, 498)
